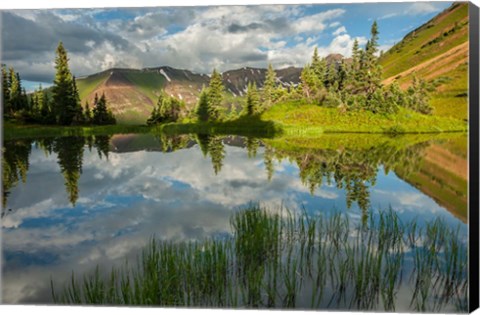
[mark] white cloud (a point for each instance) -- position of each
(416, 8)
(334, 24)
(339, 31)
(419, 8)
(388, 16)
(315, 22)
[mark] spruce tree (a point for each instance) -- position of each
(202, 111)
(310, 85)
(372, 71)
(319, 65)
(215, 95)
(78, 117)
(101, 114)
(64, 104)
(252, 103)
(331, 75)
(7, 108)
(46, 113)
(88, 114)
(269, 87)
(15, 91)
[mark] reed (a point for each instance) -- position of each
(291, 260)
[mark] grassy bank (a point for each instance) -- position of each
(305, 119)
(12, 131)
(291, 119)
(285, 260)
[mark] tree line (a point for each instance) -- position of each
(356, 84)
(349, 84)
(60, 105)
(210, 102)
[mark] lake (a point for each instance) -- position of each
(74, 203)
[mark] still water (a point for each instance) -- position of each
(73, 203)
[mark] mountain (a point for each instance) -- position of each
(437, 51)
(132, 93)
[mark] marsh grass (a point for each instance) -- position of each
(291, 260)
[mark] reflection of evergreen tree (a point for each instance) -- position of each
(268, 160)
(70, 157)
(203, 140)
(252, 146)
(354, 170)
(89, 140)
(217, 153)
(171, 143)
(46, 144)
(212, 145)
(15, 165)
(102, 143)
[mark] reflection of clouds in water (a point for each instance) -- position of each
(131, 196)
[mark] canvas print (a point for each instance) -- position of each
(305, 157)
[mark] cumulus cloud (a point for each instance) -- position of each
(196, 38)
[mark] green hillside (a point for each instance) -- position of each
(438, 52)
(149, 83)
(87, 85)
(443, 32)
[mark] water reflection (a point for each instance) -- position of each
(107, 195)
(69, 152)
(349, 168)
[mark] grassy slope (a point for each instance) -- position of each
(298, 118)
(149, 83)
(404, 54)
(87, 85)
(450, 98)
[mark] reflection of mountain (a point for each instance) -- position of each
(435, 165)
(443, 175)
(353, 169)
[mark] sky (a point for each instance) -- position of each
(197, 38)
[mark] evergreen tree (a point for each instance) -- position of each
(319, 65)
(64, 104)
(101, 114)
(269, 87)
(331, 75)
(88, 113)
(342, 75)
(417, 96)
(78, 117)
(46, 112)
(24, 104)
(215, 95)
(7, 108)
(371, 71)
(310, 85)
(355, 56)
(202, 111)
(167, 110)
(15, 91)
(252, 104)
